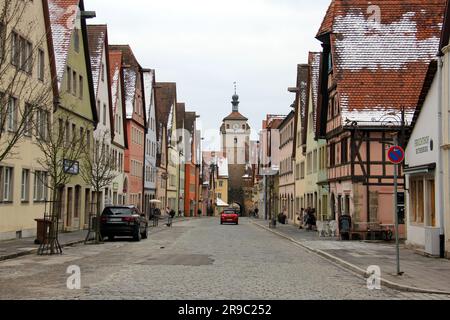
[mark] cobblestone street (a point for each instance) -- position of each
(196, 259)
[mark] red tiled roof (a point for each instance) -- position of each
(235, 116)
(165, 98)
(380, 66)
(62, 14)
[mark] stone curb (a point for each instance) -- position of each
(68, 244)
(352, 267)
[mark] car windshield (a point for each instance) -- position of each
(229, 212)
(117, 211)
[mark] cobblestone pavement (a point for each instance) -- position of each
(196, 259)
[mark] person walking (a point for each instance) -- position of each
(345, 226)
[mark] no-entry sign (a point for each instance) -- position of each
(396, 154)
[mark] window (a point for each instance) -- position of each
(7, 181)
(309, 163)
(332, 155)
(417, 200)
(42, 124)
(98, 108)
(344, 151)
(41, 64)
(15, 53)
(314, 161)
(11, 116)
(25, 186)
(29, 58)
(103, 72)
(302, 170)
(297, 171)
(76, 40)
(40, 186)
(220, 183)
(104, 114)
(74, 82)
(27, 120)
(69, 79)
(81, 87)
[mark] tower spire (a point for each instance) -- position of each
(235, 101)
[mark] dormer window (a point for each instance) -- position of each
(330, 63)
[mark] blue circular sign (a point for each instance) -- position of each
(396, 154)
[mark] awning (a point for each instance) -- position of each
(420, 169)
(221, 203)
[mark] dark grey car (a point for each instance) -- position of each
(123, 221)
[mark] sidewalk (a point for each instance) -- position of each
(421, 273)
(11, 249)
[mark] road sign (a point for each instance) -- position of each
(396, 154)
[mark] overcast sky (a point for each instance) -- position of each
(206, 45)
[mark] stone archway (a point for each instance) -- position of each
(238, 206)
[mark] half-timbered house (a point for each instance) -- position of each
(374, 62)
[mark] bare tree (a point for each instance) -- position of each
(22, 95)
(61, 149)
(99, 171)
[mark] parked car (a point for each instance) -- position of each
(229, 216)
(123, 221)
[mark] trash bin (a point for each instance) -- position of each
(42, 230)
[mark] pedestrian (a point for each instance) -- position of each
(256, 213)
(300, 218)
(345, 226)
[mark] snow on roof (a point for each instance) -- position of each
(380, 63)
(115, 63)
(96, 41)
(148, 90)
(369, 45)
(314, 62)
(130, 79)
(63, 16)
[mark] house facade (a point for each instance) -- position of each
(316, 181)
(150, 141)
(23, 191)
(136, 125)
(75, 113)
(120, 138)
(99, 58)
(360, 122)
(286, 172)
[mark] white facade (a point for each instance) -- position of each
(422, 154)
(150, 139)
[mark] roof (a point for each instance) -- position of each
(445, 36)
(314, 63)
(181, 109)
(165, 98)
(60, 20)
(96, 44)
(235, 116)
(189, 122)
(149, 81)
(286, 120)
(380, 67)
(62, 15)
(115, 65)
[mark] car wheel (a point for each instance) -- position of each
(111, 237)
(145, 233)
(237, 223)
(137, 235)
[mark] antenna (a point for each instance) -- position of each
(235, 87)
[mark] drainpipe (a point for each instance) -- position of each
(440, 166)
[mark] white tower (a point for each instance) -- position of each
(235, 135)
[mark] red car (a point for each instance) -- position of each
(229, 216)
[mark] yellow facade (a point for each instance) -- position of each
(22, 204)
(78, 200)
